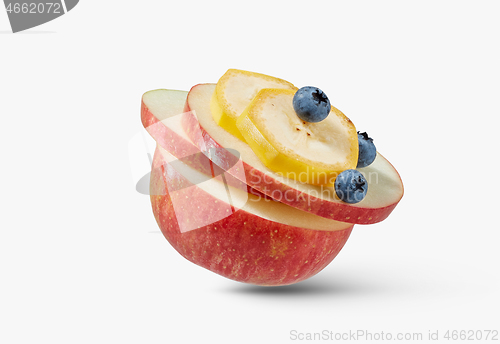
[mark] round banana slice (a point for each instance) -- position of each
(313, 153)
(234, 91)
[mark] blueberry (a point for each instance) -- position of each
(351, 186)
(311, 104)
(367, 150)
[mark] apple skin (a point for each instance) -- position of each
(243, 246)
(261, 182)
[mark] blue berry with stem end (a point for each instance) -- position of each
(351, 186)
(311, 104)
(367, 150)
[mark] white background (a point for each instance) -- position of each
(81, 257)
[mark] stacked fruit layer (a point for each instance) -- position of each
(385, 187)
(222, 208)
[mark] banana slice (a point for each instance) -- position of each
(312, 153)
(234, 91)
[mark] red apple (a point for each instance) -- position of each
(385, 188)
(260, 242)
(218, 225)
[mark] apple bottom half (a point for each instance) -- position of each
(243, 246)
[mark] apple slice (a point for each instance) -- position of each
(161, 114)
(236, 234)
(385, 188)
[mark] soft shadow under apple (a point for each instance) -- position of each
(317, 286)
